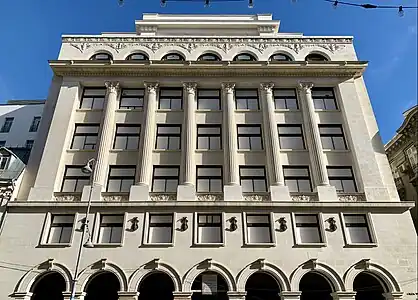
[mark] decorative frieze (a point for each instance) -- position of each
(256, 197)
(162, 197)
(304, 197)
(66, 197)
(351, 197)
(209, 197)
(115, 198)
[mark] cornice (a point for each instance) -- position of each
(405, 133)
(199, 69)
(191, 43)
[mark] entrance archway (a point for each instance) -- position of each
(262, 286)
(48, 287)
(157, 285)
(103, 286)
(314, 287)
(368, 287)
(222, 287)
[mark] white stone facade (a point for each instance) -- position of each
(390, 255)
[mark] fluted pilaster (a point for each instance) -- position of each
(189, 133)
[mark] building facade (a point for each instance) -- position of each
(226, 160)
(403, 158)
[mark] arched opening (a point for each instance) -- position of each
(103, 286)
(245, 57)
(48, 287)
(137, 56)
(314, 287)
(157, 285)
(209, 57)
(209, 286)
(173, 57)
(315, 57)
(101, 56)
(262, 286)
(368, 287)
(280, 57)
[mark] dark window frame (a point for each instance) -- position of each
(250, 135)
(112, 225)
(209, 135)
(311, 225)
(266, 225)
(29, 144)
(253, 177)
(129, 57)
(85, 135)
(160, 224)
(366, 225)
(332, 135)
(297, 178)
(343, 177)
(170, 98)
(168, 135)
(77, 178)
(287, 57)
(119, 177)
(323, 98)
(210, 97)
(35, 124)
(286, 99)
(301, 135)
(165, 177)
(61, 225)
(315, 57)
(122, 97)
(209, 177)
(210, 223)
(180, 57)
(127, 135)
(246, 98)
(4, 162)
(108, 56)
(94, 97)
(215, 56)
(7, 125)
(252, 57)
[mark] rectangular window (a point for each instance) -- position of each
(297, 179)
(247, 99)
(411, 152)
(4, 161)
(85, 136)
(132, 99)
(160, 229)
(209, 179)
(74, 179)
(111, 229)
(249, 137)
(93, 98)
(29, 144)
(253, 179)
(35, 124)
(307, 229)
(209, 228)
(165, 179)
(61, 229)
(332, 137)
(258, 229)
(208, 99)
(357, 229)
(2, 143)
(170, 98)
(120, 178)
(127, 136)
(342, 178)
(324, 98)
(285, 99)
(168, 137)
(8, 122)
(209, 137)
(291, 137)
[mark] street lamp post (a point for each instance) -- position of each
(87, 169)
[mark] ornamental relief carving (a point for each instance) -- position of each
(163, 197)
(67, 198)
(256, 197)
(351, 197)
(191, 44)
(304, 198)
(115, 198)
(209, 197)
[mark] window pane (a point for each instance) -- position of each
(80, 185)
(290, 129)
(87, 129)
(133, 92)
(337, 184)
(246, 93)
(164, 104)
(69, 185)
(133, 143)
(349, 186)
(259, 234)
(209, 130)
(292, 103)
(158, 185)
(306, 219)
(203, 185)
(339, 143)
(162, 142)
(166, 171)
(94, 92)
(78, 142)
(330, 104)
(54, 235)
(327, 142)
(322, 93)
(203, 143)
(253, 104)
(74, 172)
(161, 219)
(120, 142)
(122, 171)
(63, 219)
(126, 185)
(66, 234)
(284, 92)
(86, 103)
(330, 130)
(241, 104)
(160, 235)
(258, 219)
(259, 185)
(106, 219)
(359, 234)
(256, 143)
(252, 171)
(104, 234)
(319, 104)
(339, 172)
(247, 185)
(176, 104)
(210, 93)
(290, 142)
(98, 103)
(308, 234)
(359, 219)
(280, 103)
(216, 185)
(295, 171)
(169, 92)
(243, 143)
(304, 185)
(131, 102)
(171, 185)
(210, 235)
(174, 143)
(116, 235)
(212, 104)
(128, 129)
(215, 143)
(292, 185)
(209, 172)
(169, 129)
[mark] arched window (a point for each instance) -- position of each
(314, 287)
(49, 286)
(137, 56)
(280, 57)
(157, 285)
(262, 286)
(101, 56)
(315, 57)
(368, 287)
(245, 57)
(104, 286)
(209, 57)
(221, 288)
(173, 57)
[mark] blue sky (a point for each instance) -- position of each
(30, 32)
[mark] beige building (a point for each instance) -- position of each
(403, 158)
(227, 160)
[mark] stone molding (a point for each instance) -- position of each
(162, 197)
(151, 87)
(67, 197)
(190, 87)
(256, 197)
(304, 197)
(209, 197)
(112, 87)
(267, 87)
(228, 87)
(351, 197)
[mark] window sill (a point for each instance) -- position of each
(129, 109)
(209, 150)
(327, 110)
(122, 150)
(157, 245)
(337, 150)
(249, 150)
(287, 110)
(259, 245)
(200, 245)
(54, 245)
(208, 110)
(162, 110)
(80, 150)
(293, 150)
(89, 110)
(167, 150)
(361, 245)
(247, 110)
(309, 245)
(107, 245)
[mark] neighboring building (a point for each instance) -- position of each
(403, 158)
(249, 166)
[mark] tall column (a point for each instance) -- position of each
(186, 191)
(139, 192)
(325, 191)
(232, 189)
(278, 191)
(105, 142)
